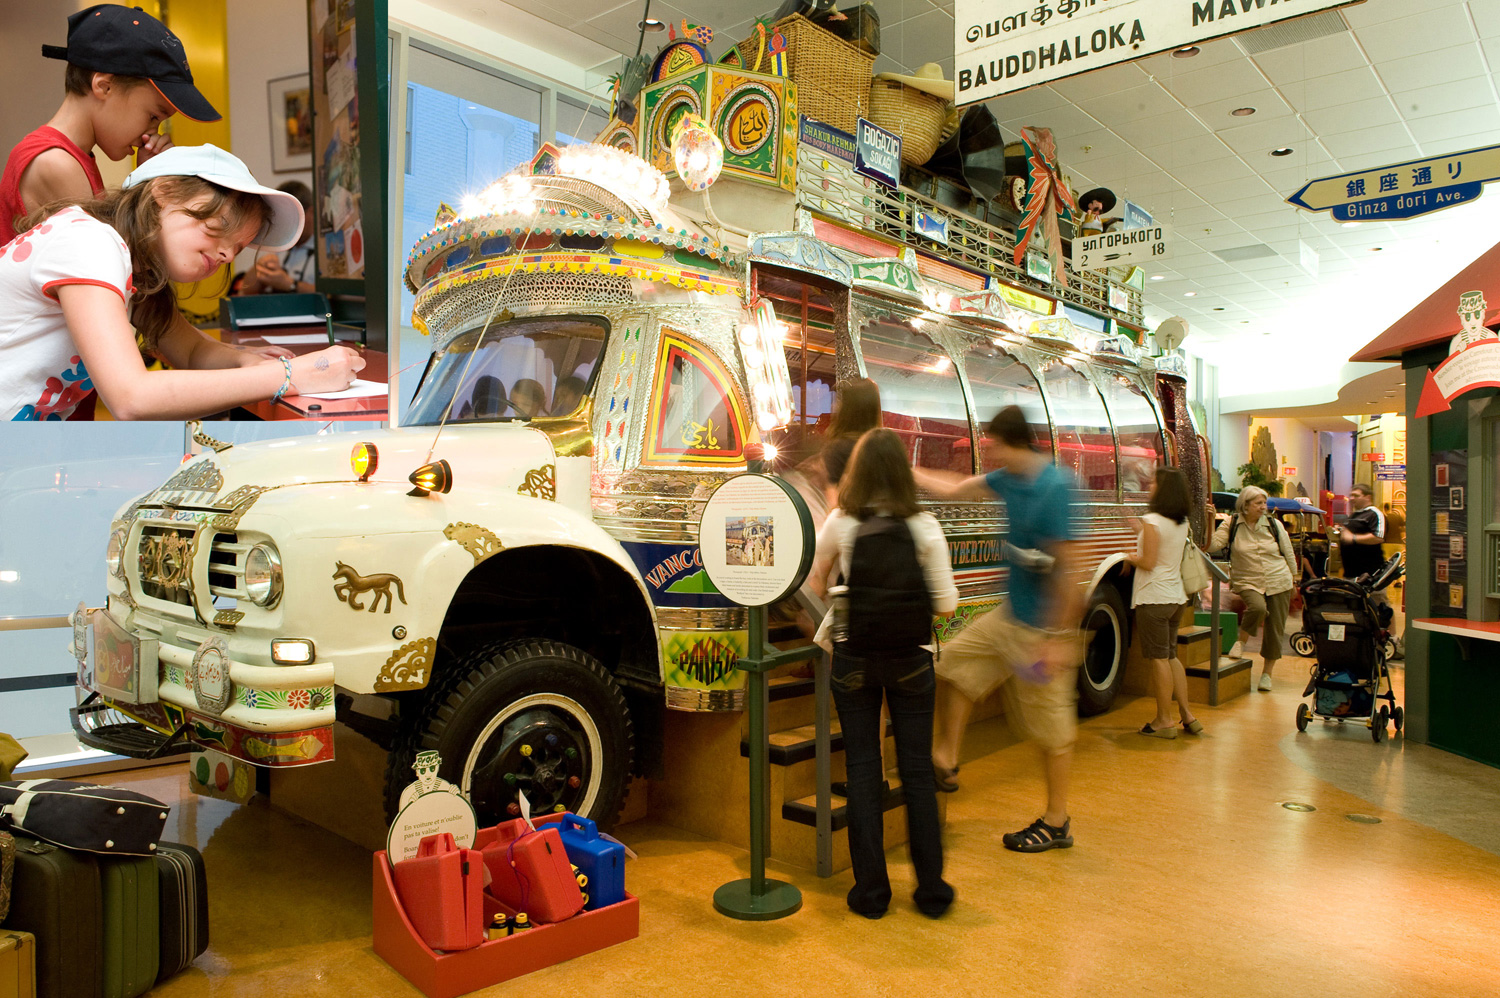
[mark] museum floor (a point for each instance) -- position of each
(1188, 878)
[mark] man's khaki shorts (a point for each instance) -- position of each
(991, 651)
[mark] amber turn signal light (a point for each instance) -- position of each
(435, 477)
(364, 459)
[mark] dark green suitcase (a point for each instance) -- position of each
(55, 897)
(129, 897)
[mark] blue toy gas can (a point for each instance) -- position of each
(599, 859)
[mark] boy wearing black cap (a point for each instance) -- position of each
(126, 75)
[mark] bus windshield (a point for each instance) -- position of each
(523, 368)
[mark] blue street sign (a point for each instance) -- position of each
(1403, 190)
(877, 153)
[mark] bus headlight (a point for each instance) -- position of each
(263, 575)
(114, 555)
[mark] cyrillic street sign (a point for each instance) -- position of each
(1002, 46)
(1404, 190)
(1120, 249)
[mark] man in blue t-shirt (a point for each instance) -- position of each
(1030, 643)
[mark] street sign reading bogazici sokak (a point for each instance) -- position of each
(1001, 46)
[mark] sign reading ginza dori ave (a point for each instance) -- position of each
(1403, 190)
(1001, 46)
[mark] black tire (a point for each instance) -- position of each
(538, 716)
(1378, 723)
(1303, 644)
(1103, 668)
(1398, 717)
(1304, 714)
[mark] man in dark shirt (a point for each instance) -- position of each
(1360, 538)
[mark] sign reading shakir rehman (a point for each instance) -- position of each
(1002, 46)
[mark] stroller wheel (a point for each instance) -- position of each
(1389, 648)
(1302, 644)
(1398, 717)
(1378, 723)
(1304, 714)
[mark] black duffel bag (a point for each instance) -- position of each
(105, 820)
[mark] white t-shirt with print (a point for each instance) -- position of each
(41, 374)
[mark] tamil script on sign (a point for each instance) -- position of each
(1001, 46)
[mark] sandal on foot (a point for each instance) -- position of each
(1194, 727)
(1039, 837)
(1147, 729)
(946, 779)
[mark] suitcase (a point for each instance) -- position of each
(17, 965)
(183, 901)
(129, 896)
(7, 871)
(442, 891)
(598, 858)
(529, 870)
(56, 899)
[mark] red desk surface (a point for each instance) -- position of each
(1483, 630)
(372, 407)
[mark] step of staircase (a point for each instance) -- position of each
(805, 810)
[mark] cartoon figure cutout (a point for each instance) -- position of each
(1471, 312)
(429, 805)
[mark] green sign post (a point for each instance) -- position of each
(756, 540)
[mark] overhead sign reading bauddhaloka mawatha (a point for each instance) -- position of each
(1001, 46)
(1473, 359)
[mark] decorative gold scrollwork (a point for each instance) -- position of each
(409, 668)
(204, 440)
(239, 502)
(201, 476)
(228, 618)
(473, 538)
(540, 482)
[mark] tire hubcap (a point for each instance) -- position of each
(544, 746)
(1102, 659)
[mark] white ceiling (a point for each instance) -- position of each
(1378, 83)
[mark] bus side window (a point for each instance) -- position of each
(920, 396)
(1085, 445)
(998, 380)
(807, 311)
(1139, 434)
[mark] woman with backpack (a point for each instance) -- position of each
(1262, 567)
(1159, 597)
(890, 562)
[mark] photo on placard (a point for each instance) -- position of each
(1456, 597)
(1440, 571)
(1456, 497)
(1456, 547)
(749, 540)
(1440, 524)
(1440, 476)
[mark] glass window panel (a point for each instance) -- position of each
(998, 380)
(524, 368)
(1138, 432)
(1085, 445)
(465, 127)
(919, 395)
(579, 123)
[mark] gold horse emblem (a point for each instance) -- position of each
(354, 584)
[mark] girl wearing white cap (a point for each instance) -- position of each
(81, 275)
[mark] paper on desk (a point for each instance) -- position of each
(294, 339)
(358, 390)
(282, 320)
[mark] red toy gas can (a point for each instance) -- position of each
(442, 890)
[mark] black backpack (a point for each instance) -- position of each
(890, 610)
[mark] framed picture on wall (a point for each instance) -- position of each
(291, 111)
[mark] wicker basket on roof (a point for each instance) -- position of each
(912, 114)
(832, 75)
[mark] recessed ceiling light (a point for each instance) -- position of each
(652, 24)
(1283, 151)
(1376, 249)
(1190, 294)
(1186, 52)
(1218, 308)
(1158, 277)
(1243, 112)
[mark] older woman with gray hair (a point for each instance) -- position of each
(1263, 570)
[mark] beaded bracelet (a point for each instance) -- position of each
(285, 384)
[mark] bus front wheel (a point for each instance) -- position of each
(1108, 624)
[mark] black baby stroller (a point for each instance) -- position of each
(1349, 634)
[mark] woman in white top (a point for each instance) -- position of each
(1263, 569)
(1159, 597)
(887, 655)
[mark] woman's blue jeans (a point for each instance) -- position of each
(908, 685)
